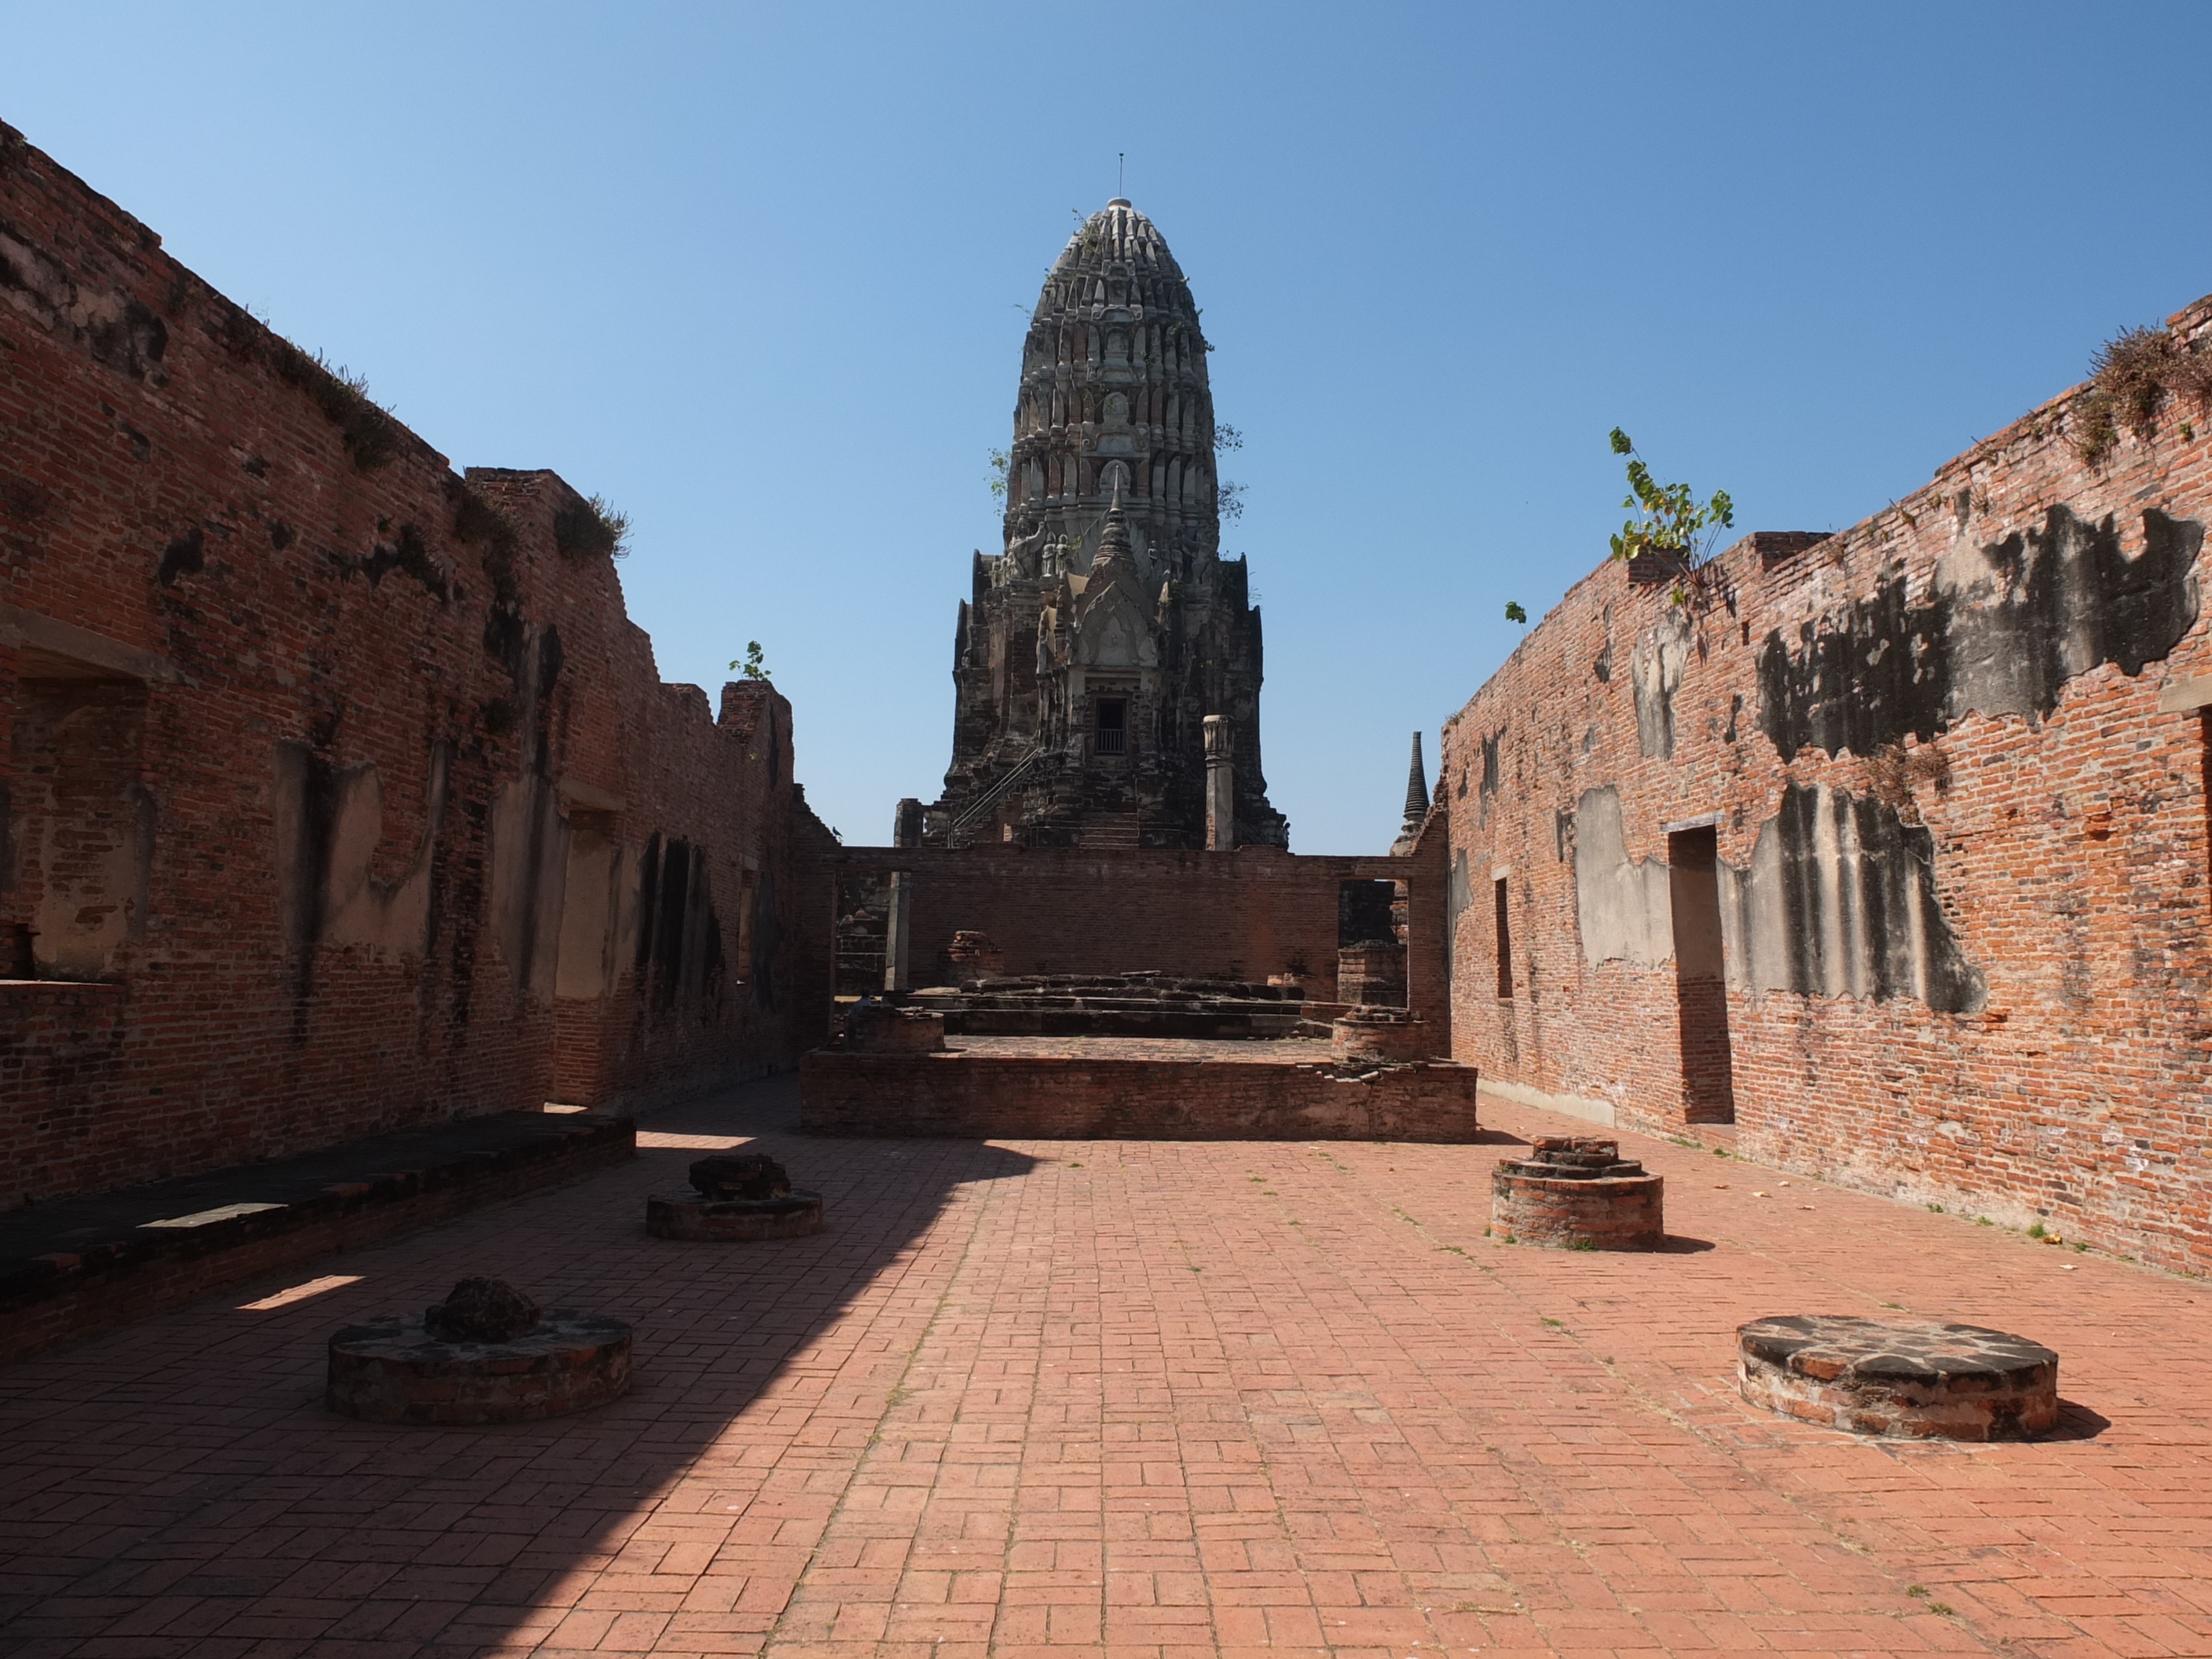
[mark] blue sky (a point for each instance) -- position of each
(759, 275)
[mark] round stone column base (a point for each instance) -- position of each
(1912, 1379)
(393, 1370)
(685, 1214)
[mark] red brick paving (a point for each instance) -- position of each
(1157, 1398)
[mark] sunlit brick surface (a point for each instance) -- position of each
(1165, 1398)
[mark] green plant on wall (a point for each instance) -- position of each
(1514, 612)
(1000, 460)
(1668, 519)
(751, 665)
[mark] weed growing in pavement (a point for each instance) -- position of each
(1937, 1208)
(1984, 1221)
(1943, 1608)
(1557, 1324)
(1581, 1244)
(1721, 1151)
(1916, 1589)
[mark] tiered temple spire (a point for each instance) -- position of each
(1097, 641)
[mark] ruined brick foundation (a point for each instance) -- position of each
(1211, 1095)
(1889, 848)
(340, 795)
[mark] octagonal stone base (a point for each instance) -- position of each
(1916, 1378)
(392, 1370)
(685, 1214)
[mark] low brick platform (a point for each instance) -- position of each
(69, 1269)
(687, 1215)
(394, 1371)
(1121, 1088)
(1577, 1193)
(1915, 1378)
(1137, 1005)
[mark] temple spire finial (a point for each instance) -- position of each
(1417, 788)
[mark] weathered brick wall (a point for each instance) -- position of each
(347, 778)
(1047, 1097)
(1245, 915)
(1961, 894)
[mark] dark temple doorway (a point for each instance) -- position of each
(1701, 976)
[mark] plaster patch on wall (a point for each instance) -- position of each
(1840, 901)
(1621, 904)
(361, 908)
(1655, 668)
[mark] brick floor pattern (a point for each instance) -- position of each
(1153, 1399)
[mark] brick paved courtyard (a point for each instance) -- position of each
(1160, 1398)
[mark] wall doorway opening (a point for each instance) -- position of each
(1112, 734)
(1700, 976)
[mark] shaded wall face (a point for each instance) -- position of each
(1885, 844)
(328, 774)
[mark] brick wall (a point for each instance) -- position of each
(340, 791)
(1927, 797)
(1048, 1098)
(1246, 914)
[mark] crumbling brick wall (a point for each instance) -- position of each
(1927, 797)
(340, 792)
(1247, 915)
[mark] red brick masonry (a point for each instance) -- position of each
(337, 792)
(1890, 846)
(1917, 1379)
(127, 1269)
(1046, 1090)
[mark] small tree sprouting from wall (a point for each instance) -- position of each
(751, 665)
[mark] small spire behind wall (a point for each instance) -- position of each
(1417, 790)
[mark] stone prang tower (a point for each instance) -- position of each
(1098, 642)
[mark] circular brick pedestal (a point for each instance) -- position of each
(1382, 1034)
(394, 1371)
(688, 1215)
(1915, 1377)
(1575, 1194)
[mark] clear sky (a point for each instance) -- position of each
(760, 275)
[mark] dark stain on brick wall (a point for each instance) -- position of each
(1998, 633)
(185, 557)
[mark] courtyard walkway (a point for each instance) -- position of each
(1158, 1398)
